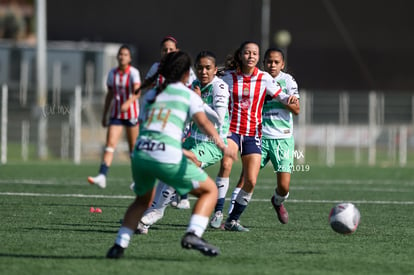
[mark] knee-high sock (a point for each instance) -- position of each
(164, 194)
(233, 198)
(222, 186)
(242, 200)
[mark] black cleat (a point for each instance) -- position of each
(115, 252)
(192, 241)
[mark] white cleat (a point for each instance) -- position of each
(151, 216)
(184, 204)
(215, 222)
(99, 180)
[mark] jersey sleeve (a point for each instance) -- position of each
(191, 79)
(221, 94)
(292, 87)
(136, 78)
(196, 104)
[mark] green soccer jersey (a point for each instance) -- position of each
(163, 122)
(277, 119)
(216, 96)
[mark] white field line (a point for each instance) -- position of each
(342, 181)
(339, 188)
(78, 181)
(257, 200)
(294, 185)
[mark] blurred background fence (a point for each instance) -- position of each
(335, 127)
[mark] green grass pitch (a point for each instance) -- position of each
(46, 227)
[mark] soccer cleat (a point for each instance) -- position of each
(115, 252)
(216, 220)
(184, 204)
(234, 225)
(132, 186)
(151, 216)
(192, 241)
(142, 228)
(99, 180)
(281, 211)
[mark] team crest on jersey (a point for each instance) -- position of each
(246, 91)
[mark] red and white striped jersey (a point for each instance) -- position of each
(247, 94)
(122, 85)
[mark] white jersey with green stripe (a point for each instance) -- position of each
(163, 121)
(216, 96)
(277, 119)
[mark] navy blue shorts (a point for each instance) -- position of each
(247, 144)
(124, 122)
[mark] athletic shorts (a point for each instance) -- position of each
(206, 151)
(279, 152)
(124, 122)
(247, 144)
(183, 177)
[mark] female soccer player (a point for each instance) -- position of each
(168, 44)
(277, 141)
(122, 82)
(248, 88)
(215, 95)
(158, 154)
(166, 193)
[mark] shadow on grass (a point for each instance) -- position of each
(165, 226)
(75, 227)
(72, 229)
(32, 256)
(90, 257)
(305, 253)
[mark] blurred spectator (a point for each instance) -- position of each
(16, 19)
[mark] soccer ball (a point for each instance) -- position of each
(344, 218)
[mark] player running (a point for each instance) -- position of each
(248, 88)
(277, 141)
(215, 95)
(168, 44)
(158, 154)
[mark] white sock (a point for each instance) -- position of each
(124, 236)
(280, 199)
(222, 186)
(243, 198)
(197, 225)
(164, 194)
(233, 198)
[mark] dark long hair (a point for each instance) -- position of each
(172, 67)
(233, 62)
